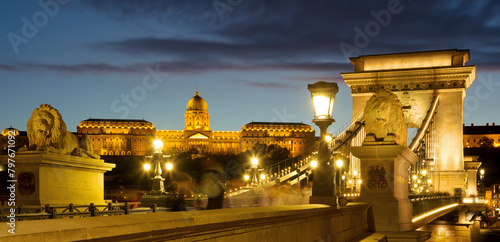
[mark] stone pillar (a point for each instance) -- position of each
(471, 166)
(449, 125)
(384, 174)
(47, 178)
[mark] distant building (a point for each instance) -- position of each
(134, 137)
(21, 138)
(298, 138)
(474, 135)
(119, 136)
(495, 199)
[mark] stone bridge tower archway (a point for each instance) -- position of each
(417, 77)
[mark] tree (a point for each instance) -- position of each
(485, 142)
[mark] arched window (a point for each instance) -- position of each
(123, 152)
(129, 153)
(111, 153)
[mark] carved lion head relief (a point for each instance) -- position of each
(384, 119)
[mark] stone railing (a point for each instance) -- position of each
(75, 211)
(312, 222)
(423, 204)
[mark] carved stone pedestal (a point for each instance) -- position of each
(47, 178)
(384, 175)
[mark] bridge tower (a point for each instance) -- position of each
(417, 77)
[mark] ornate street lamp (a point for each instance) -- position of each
(254, 172)
(158, 195)
(323, 97)
(169, 166)
(158, 187)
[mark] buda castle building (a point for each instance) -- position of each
(131, 137)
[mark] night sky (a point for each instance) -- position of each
(251, 60)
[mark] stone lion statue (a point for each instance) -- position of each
(384, 120)
(47, 131)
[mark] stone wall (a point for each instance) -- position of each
(311, 222)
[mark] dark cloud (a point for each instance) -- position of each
(271, 85)
(310, 79)
(98, 68)
(193, 49)
(308, 31)
(266, 84)
(291, 35)
(191, 67)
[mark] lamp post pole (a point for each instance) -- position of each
(158, 186)
(339, 164)
(323, 174)
(323, 97)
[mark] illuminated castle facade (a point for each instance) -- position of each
(126, 137)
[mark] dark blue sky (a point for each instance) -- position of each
(252, 60)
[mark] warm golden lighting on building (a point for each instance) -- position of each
(169, 166)
(147, 167)
(314, 164)
(246, 177)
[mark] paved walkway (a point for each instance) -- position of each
(486, 235)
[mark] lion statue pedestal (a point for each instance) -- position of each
(384, 172)
(58, 168)
(384, 160)
(55, 179)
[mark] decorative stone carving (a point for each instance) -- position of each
(384, 119)
(47, 131)
(26, 182)
(377, 180)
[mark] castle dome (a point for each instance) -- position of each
(197, 103)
